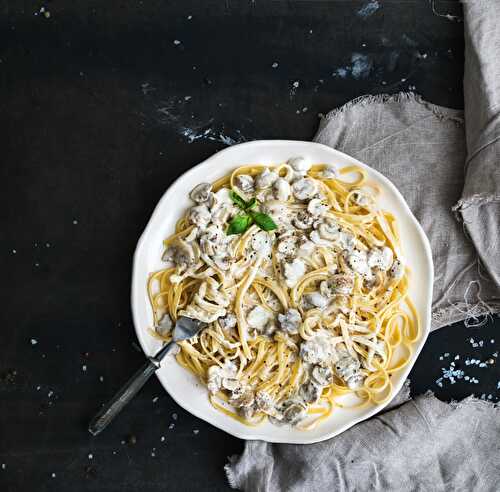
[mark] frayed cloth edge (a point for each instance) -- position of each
(229, 472)
(476, 200)
(458, 404)
(449, 314)
(439, 111)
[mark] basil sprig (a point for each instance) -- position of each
(244, 220)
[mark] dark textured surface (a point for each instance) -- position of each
(100, 110)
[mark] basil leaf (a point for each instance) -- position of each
(263, 221)
(238, 200)
(250, 204)
(239, 224)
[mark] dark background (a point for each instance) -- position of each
(100, 110)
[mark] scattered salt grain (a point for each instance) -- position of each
(91, 456)
(177, 42)
(38, 388)
(101, 379)
(84, 368)
(296, 84)
(14, 251)
(153, 455)
(75, 222)
(4, 466)
(492, 340)
(155, 399)
(174, 416)
(34, 341)
(162, 438)
(447, 354)
(190, 17)
(171, 426)
(50, 393)
(53, 475)
(275, 65)
(457, 357)
(47, 245)
(195, 431)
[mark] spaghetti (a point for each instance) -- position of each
(300, 314)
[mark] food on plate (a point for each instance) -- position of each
(300, 278)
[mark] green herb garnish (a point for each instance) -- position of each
(242, 222)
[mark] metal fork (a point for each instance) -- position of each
(185, 328)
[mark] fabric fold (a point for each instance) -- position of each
(479, 205)
(421, 148)
(412, 447)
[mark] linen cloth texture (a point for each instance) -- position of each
(425, 444)
(443, 166)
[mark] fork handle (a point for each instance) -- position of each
(124, 395)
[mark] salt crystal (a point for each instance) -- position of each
(4, 466)
(155, 399)
(171, 426)
(275, 65)
(195, 431)
(91, 456)
(53, 475)
(33, 341)
(174, 416)
(162, 438)
(177, 42)
(447, 354)
(457, 357)
(84, 368)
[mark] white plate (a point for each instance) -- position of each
(184, 388)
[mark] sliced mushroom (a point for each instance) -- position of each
(199, 215)
(316, 207)
(330, 172)
(243, 396)
(265, 179)
(300, 165)
(303, 220)
(201, 192)
(164, 326)
(339, 284)
(397, 269)
(180, 253)
(282, 189)
(290, 321)
(294, 412)
(322, 375)
(304, 189)
(310, 392)
(329, 229)
(245, 183)
(264, 402)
